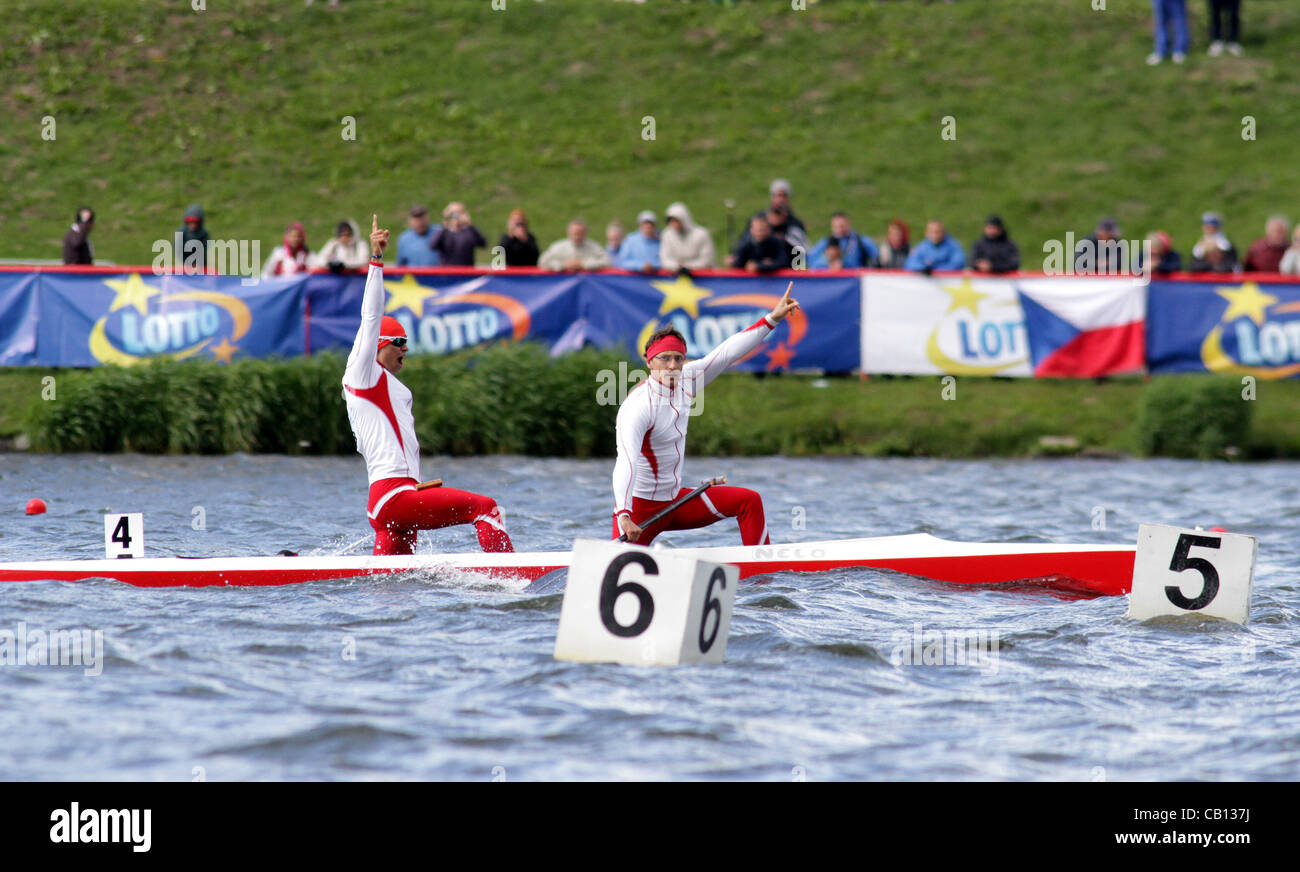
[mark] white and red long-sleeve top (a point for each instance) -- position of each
(652, 422)
(379, 406)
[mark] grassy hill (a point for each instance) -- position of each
(240, 107)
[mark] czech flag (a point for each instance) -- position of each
(1085, 328)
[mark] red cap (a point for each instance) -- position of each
(390, 327)
(36, 506)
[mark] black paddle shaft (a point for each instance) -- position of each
(669, 509)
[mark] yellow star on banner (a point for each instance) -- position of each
(1247, 300)
(224, 351)
(964, 296)
(132, 292)
(681, 293)
(408, 294)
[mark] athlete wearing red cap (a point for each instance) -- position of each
(651, 433)
(379, 409)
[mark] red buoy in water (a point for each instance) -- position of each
(36, 506)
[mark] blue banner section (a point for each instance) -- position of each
(1246, 328)
(822, 334)
(86, 320)
(444, 313)
(18, 319)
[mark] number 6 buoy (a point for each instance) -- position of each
(628, 604)
(1181, 572)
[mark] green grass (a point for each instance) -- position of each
(517, 400)
(239, 107)
(20, 388)
(909, 417)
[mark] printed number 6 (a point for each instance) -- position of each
(712, 605)
(611, 590)
(1209, 575)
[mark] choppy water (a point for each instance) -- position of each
(454, 679)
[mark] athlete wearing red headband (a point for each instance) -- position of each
(651, 432)
(379, 409)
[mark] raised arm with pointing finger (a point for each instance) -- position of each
(379, 410)
(650, 433)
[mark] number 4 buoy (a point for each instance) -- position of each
(628, 604)
(124, 535)
(1180, 572)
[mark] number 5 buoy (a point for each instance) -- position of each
(628, 604)
(1180, 572)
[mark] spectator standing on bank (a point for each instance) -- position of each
(1165, 259)
(685, 246)
(614, 235)
(855, 250)
(518, 241)
(1291, 260)
(1265, 254)
(779, 201)
(347, 250)
(1213, 252)
(575, 252)
(1170, 31)
(413, 245)
(193, 251)
(937, 251)
(832, 256)
(759, 249)
(994, 252)
(896, 247)
(1099, 253)
(1214, 258)
(1219, 10)
(77, 249)
(292, 256)
(456, 241)
(640, 251)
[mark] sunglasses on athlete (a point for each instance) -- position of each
(399, 341)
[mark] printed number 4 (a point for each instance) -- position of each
(1209, 575)
(121, 533)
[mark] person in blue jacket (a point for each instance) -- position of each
(640, 251)
(858, 251)
(413, 245)
(937, 251)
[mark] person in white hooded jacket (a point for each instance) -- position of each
(683, 244)
(347, 250)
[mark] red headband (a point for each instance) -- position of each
(665, 343)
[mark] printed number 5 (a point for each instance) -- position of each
(1209, 575)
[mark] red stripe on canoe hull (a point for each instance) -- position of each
(258, 577)
(1095, 573)
(1089, 573)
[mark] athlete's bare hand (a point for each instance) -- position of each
(378, 238)
(629, 527)
(785, 307)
